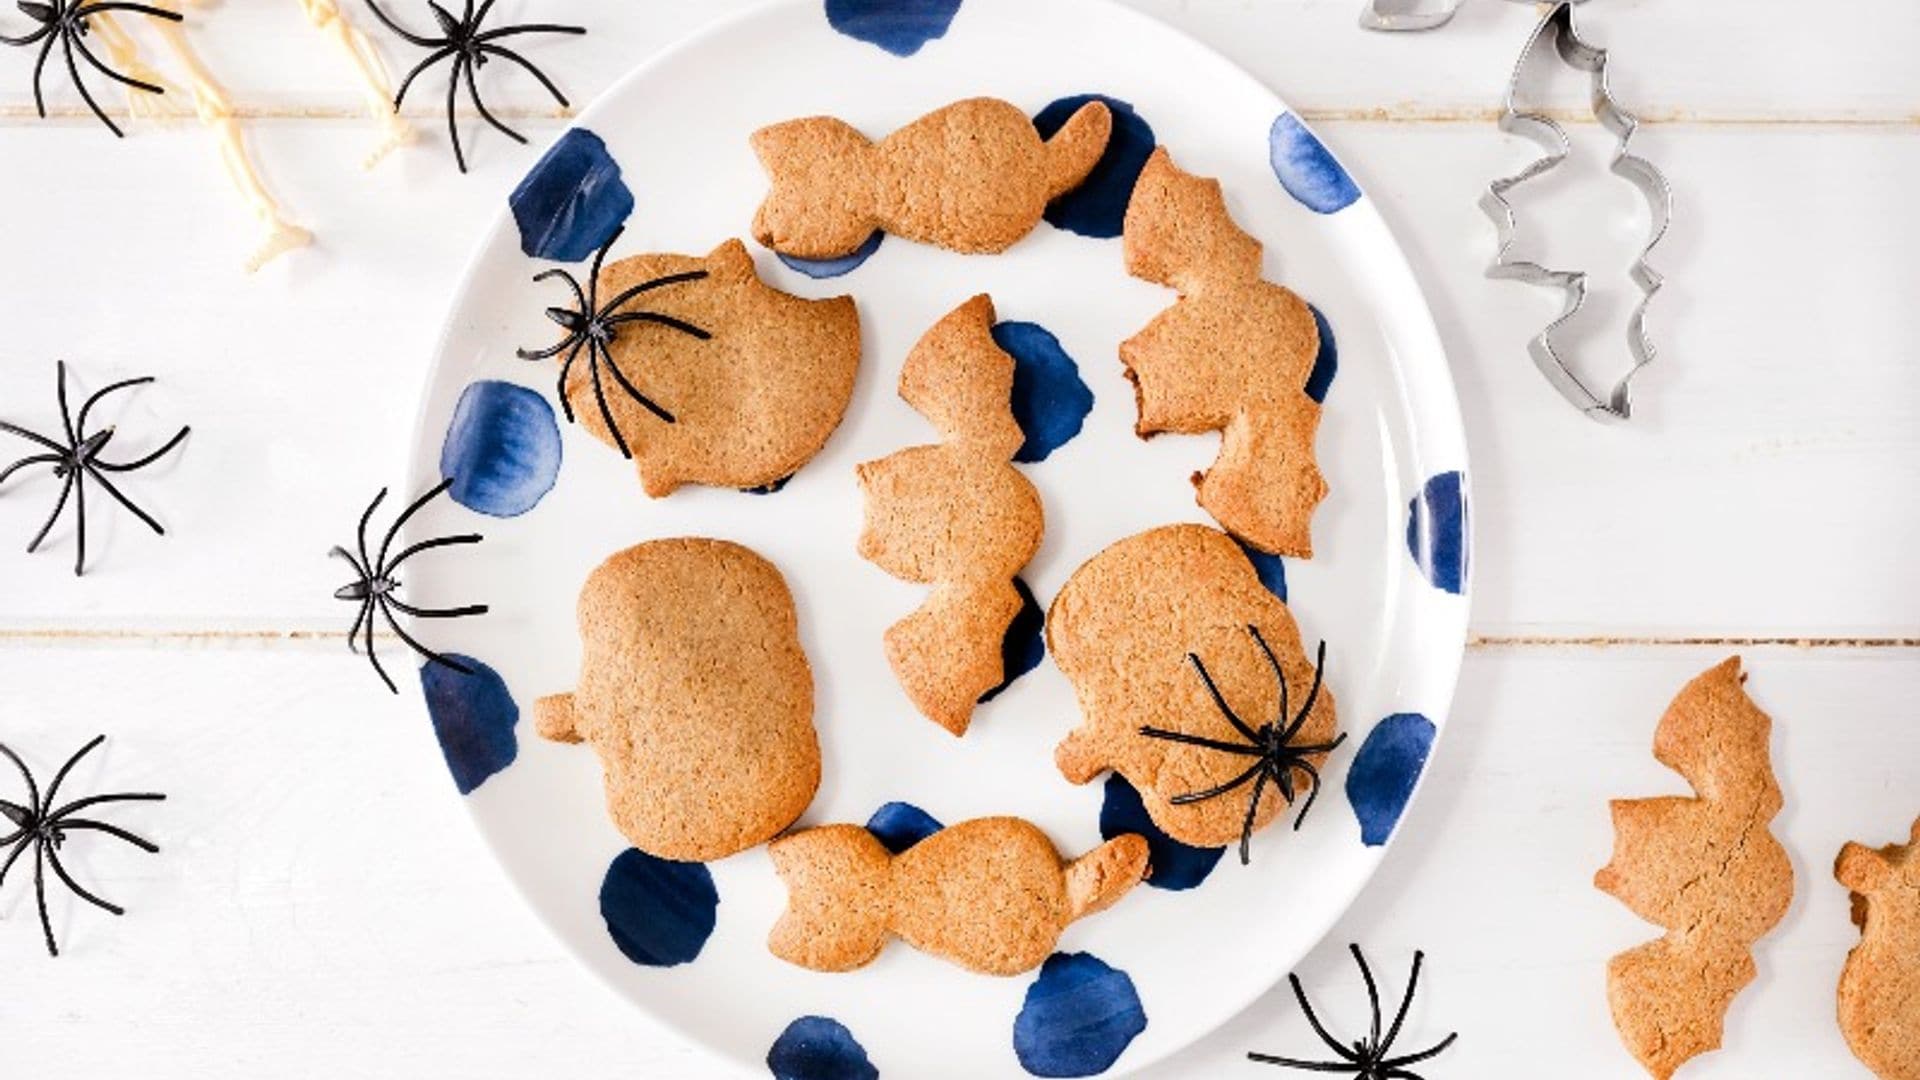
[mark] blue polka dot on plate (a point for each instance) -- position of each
(1306, 169)
(658, 912)
(1385, 771)
(901, 27)
(502, 449)
(1437, 531)
(1050, 401)
(1325, 362)
(1023, 645)
(1171, 865)
(572, 201)
(821, 269)
(473, 717)
(819, 1048)
(898, 826)
(1098, 207)
(1271, 568)
(1079, 1016)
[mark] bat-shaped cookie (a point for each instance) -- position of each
(973, 177)
(991, 894)
(1232, 355)
(1880, 988)
(696, 695)
(956, 515)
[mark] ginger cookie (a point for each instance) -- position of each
(1705, 867)
(973, 177)
(1192, 684)
(956, 515)
(991, 894)
(1232, 355)
(696, 695)
(700, 372)
(1880, 988)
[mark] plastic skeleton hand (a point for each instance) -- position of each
(326, 17)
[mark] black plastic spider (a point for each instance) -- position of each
(594, 327)
(64, 22)
(79, 459)
(1367, 1058)
(376, 587)
(40, 826)
(1271, 745)
(470, 47)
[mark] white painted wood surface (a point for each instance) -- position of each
(322, 908)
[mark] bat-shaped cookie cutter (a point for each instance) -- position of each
(1579, 54)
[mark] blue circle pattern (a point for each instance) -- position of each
(901, 27)
(502, 449)
(658, 912)
(1326, 362)
(1307, 169)
(821, 269)
(1079, 1016)
(473, 717)
(819, 1048)
(572, 201)
(1437, 531)
(1050, 401)
(1098, 206)
(1023, 645)
(1171, 865)
(1385, 771)
(899, 825)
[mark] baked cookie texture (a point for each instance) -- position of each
(1880, 987)
(991, 894)
(973, 177)
(696, 695)
(1122, 629)
(1233, 355)
(1705, 867)
(752, 403)
(956, 515)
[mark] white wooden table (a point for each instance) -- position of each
(322, 908)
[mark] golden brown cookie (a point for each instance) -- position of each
(1232, 355)
(746, 382)
(1147, 631)
(696, 695)
(956, 515)
(973, 177)
(1706, 868)
(989, 894)
(1880, 988)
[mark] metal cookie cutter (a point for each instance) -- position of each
(1576, 53)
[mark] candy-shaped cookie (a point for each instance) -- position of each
(1232, 355)
(1880, 988)
(1192, 684)
(696, 695)
(991, 894)
(700, 372)
(973, 177)
(956, 515)
(1706, 868)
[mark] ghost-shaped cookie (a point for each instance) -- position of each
(1880, 988)
(696, 695)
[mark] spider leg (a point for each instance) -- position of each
(1313, 1020)
(632, 390)
(1400, 1063)
(1222, 789)
(1296, 1063)
(429, 654)
(96, 800)
(560, 389)
(372, 656)
(1320, 748)
(53, 789)
(453, 122)
(110, 830)
(401, 521)
(408, 35)
(429, 545)
(365, 518)
(1279, 675)
(87, 54)
(548, 354)
(31, 39)
(1313, 692)
(664, 320)
(1253, 809)
(600, 395)
(53, 860)
(39, 66)
(37, 459)
(40, 896)
(13, 857)
(1313, 792)
(528, 28)
(476, 19)
(60, 394)
(65, 492)
(473, 91)
(1219, 701)
(418, 69)
(437, 613)
(589, 303)
(66, 45)
(12, 429)
(353, 641)
(126, 502)
(130, 466)
(495, 50)
(1373, 992)
(142, 9)
(33, 789)
(649, 286)
(339, 552)
(1201, 740)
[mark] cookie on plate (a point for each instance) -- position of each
(1705, 867)
(991, 894)
(956, 515)
(1880, 988)
(709, 375)
(1184, 663)
(696, 695)
(1232, 355)
(973, 177)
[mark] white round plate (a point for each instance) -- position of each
(1384, 589)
